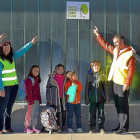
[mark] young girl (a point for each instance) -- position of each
(96, 93)
(55, 93)
(33, 99)
(74, 106)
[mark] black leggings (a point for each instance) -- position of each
(63, 115)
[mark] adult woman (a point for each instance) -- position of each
(9, 81)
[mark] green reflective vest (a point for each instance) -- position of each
(9, 75)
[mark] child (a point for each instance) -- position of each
(76, 105)
(33, 99)
(96, 95)
(55, 93)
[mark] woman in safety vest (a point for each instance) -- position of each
(9, 81)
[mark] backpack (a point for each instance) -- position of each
(48, 119)
(22, 88)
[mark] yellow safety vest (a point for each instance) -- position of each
(119, 69)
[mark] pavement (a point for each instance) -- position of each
(69, 136)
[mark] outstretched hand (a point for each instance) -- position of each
(95, 31)
(2, 36)
(34, 40)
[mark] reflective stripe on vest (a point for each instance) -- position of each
(9, 76)
(8, 71)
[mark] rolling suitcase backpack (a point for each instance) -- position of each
(48, 118)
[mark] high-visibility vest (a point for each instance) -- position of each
(119, 69)
(9, 75)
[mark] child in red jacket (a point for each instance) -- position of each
(33, 99)
(74, 106)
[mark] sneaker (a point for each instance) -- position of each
(70, 130)
(102, 131)
(1, 132)
(58, 129)
(115, 129)
(9, 130)
(25, 130)
(92, 131)
(36, 131)
(80, 130)
(29, 131)
(64, 129)
(121, 132)
(43, 129)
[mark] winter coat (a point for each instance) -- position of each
(52, 93)
(97, 89)
(33, 90)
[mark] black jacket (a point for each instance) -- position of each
(97, 88)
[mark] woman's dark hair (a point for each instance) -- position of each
(31, 73)
(59, 65)
(9, 57)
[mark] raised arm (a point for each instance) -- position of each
(2, 36)
(102, 41)
(24, 49)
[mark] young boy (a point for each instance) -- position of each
(96, 95)
(75, 105)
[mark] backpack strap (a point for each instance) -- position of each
(32, 79)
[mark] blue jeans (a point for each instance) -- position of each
(6, 104)
(76, 108)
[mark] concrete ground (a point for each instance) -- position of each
(68, 136)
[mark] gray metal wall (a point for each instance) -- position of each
(69, 42)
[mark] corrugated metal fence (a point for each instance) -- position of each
(69, 42)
